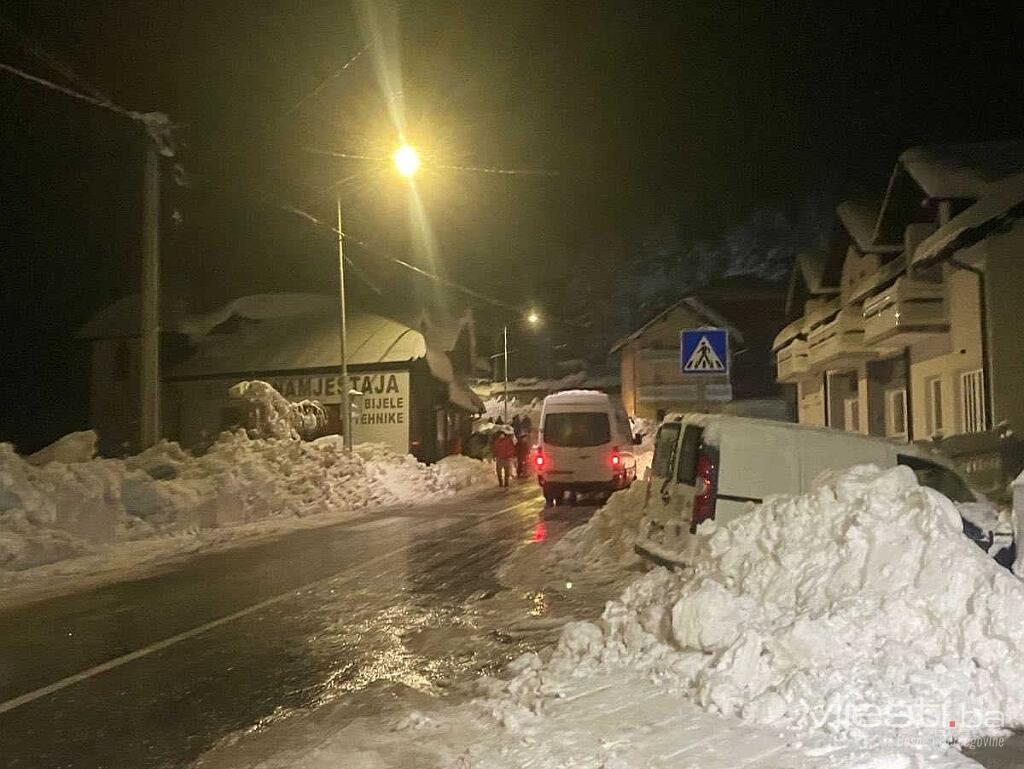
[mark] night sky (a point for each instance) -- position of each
(625, 115)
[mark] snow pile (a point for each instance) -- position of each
(858, 610)
(73, 447)
(59, 510)
(604, 545)
(271, 415)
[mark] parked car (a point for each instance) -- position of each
(714, 466)
(585, 446)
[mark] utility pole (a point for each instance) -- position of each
(504, 335)
(149, 390)
(346, 409)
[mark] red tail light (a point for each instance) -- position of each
(539, 459)
(705, 490)
(616, 458)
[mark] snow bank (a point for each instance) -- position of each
(73, 447)
(603, 546)
(59, 510)
(858, 610)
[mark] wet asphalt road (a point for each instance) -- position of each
(234, 640)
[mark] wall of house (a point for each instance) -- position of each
(1004, 289)
(947, 356)
(811, 401)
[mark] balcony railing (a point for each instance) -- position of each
(904, 313)
(839, 341)
(793, 361)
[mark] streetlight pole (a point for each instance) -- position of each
(407, 161)
(149, 357)
(533, 318)
(504, 336)
(346, 409)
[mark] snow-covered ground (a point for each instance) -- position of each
(852, 627)
(64, 513)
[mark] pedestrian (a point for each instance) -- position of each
(504, 448)
(522, 455)
(515, 426)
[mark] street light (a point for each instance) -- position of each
(533, 318)
(407, 161)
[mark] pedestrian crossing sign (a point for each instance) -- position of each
(704, 351)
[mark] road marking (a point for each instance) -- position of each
(145, 651)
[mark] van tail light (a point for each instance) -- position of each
(705, 491)
(616, 458)
(539, 460)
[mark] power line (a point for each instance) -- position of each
(323, 84)
(56, 64)
(103, 103)
(502, 171)
(446, 167)
(156, 124)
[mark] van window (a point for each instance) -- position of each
(577, 428)
(935, 476)
(688, 454)
(665, 450)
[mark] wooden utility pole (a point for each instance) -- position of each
(149, 358)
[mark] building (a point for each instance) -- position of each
(905, 325)
(652, 380)
(409, 376)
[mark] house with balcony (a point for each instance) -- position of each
(653, 383)
(893, 327)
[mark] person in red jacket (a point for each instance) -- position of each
(504, 448)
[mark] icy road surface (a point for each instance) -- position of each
(344, 619)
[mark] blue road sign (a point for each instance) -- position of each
(704, 351)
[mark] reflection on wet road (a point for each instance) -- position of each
(383, 604)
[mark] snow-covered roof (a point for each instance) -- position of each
(859, 220)
(123, 318)
(698, 307)
(459, 392)
(283, 332)
(811, 265)
(1000, 201)
(945, 171)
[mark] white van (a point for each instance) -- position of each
(585, 445)
(715, 466)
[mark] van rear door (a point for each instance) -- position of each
(577, 446)
(671, 487)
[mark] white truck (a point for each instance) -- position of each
(716, 466)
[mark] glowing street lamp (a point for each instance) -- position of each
(407, 160)
(533, 318)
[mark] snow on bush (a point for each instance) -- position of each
(58, 510)
(858, 610)
(271, 415)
